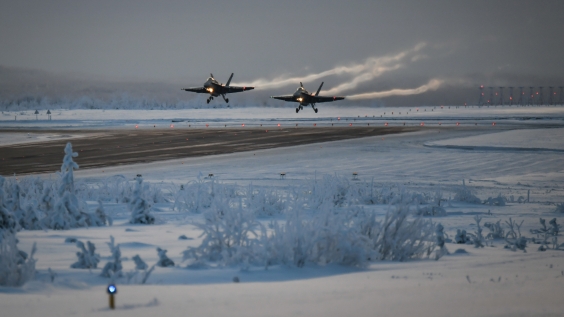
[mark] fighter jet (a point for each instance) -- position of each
(215, 89)
(305, 98)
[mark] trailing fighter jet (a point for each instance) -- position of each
(215, 89)
(305, 98)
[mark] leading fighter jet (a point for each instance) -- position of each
(305, 98)
(215, 89)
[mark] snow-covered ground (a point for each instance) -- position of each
(518, 158)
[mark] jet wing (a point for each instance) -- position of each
(285, 98)
(201, 90)
(318, 99)
(232, 89)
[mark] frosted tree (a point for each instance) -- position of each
(441, 238)
(15, 205)
(7, 220)
(140, 208)
(464, 194)
(68, 212)
(140, 267)
(164, 260)
(87, 258)
(47, 201)
(113, 268)
(139, 263)
(16, 267)
(67, 174)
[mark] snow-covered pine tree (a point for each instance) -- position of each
(7, 220)
(68, 211)
(15, 206)
(140, 208)
(16, 267)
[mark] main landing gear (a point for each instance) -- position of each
(225, 99)
(209, 99)
(313, 107)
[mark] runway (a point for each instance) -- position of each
(119, 147)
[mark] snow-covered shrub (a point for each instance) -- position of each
(441, 239)
(464, 194)
(227, 232)
(164, 260)
(329, 233)
(113, 268)
(497, 201)
(264, 201)
(343, 235)
(140, 267)
(496, 231)
(462, 237)
(401, 237)
(544, 230)
(16, 267)
(139, 207)
(431, 210)
(100, 218)
(512, 224)
(333, 188)
(478, 237)
(87, 258)
(139, 263)
(513, 238)
(517, 244)
(196, 196)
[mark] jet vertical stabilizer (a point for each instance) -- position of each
(229, 80)
(319, 89)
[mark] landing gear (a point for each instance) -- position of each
(209, 99)
(315, 109)
(225, 99)
(297, 110)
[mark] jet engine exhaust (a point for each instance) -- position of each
(371, 68)
(433, 84)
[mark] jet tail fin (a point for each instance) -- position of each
(301, 85)
(319, 89)
(228, 81)
(211, 75)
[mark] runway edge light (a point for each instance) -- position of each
(112, 290)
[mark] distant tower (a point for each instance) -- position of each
(561, 102)
(551, 93)
(531, 96)
(541, 100)
(490, 100)
(501, 96)
(521, 95)
(511, 96)
(481, 100)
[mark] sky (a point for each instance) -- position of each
(429, 51)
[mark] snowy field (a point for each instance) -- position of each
(514, 168)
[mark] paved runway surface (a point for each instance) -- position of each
(118, 147)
